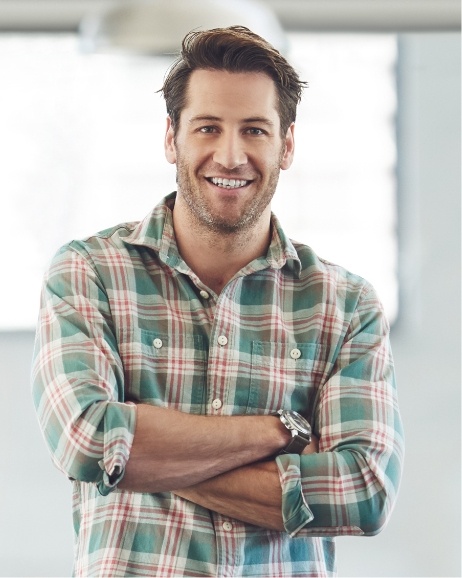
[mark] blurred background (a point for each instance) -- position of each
(375, 187)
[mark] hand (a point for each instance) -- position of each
(313, 448)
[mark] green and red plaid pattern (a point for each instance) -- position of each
(123, 319)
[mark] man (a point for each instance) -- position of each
(222, 399)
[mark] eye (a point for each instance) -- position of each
(255, 131)
(207, 129)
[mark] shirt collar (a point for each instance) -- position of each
(281, 251)
(156, 232)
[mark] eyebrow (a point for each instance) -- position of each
(249, 120)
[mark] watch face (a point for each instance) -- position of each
(298, 421)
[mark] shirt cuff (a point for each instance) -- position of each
(119, 428)
(295, 511)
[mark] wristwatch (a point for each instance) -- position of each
(299, 428)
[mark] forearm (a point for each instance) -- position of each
(172, 449)
(250, 494)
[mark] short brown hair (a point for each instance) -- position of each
(234, 49)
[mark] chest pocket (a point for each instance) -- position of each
(166, 370)
(285, 375)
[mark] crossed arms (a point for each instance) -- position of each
(212, 461)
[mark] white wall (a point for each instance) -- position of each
(423, 537)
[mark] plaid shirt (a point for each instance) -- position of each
(123, 319)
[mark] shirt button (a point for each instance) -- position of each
(222, 340)
(216, 403)
(295, 353)
(204, 294)
(227, 526)
(157, 343)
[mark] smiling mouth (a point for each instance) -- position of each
(228, 183)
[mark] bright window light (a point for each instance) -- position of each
(82, 149)
(339, 196)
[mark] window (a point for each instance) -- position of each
(82, 149)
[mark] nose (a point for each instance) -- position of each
(230, 151)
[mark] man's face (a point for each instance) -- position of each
(228, 149)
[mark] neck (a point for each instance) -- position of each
(216, 257)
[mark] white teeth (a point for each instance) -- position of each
(228, 183)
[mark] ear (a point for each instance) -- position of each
(289, 143)
(169, 143)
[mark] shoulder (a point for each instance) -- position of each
(101, 252)
(101, 242)
(345, 297)
(331, 284)
(314, 267)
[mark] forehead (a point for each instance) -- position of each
(231, 94)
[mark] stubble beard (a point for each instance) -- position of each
(207, 219)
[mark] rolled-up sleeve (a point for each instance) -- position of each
(77, 376)
(350, 486)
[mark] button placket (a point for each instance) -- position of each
(221, 355)
(218, 388)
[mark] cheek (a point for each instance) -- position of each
(190, 156)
